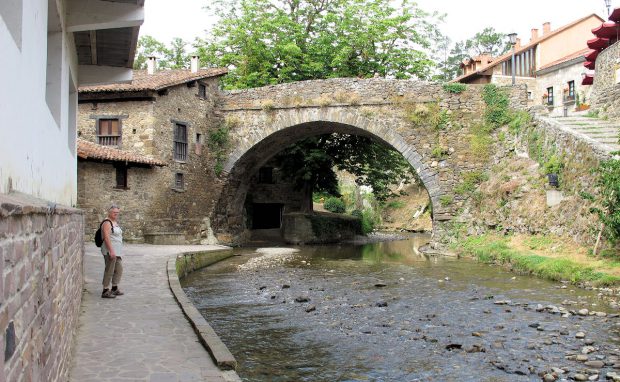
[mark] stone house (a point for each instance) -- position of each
(49, 49)
(163, 120)
(549, 64)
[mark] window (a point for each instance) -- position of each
(199, 138)
(179, 181)
(109, 131)
(265, 175)
(180, 142)
(121, 176)
(202, 90)
(570, 96)
(550, 96)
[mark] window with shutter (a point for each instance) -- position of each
(180, 142)
(109, 132)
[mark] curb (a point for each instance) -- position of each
(208, 338)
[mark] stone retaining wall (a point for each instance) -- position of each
(41, 253)
(606, 89)
(319, 228)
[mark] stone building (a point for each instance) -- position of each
(49, 48)
(549, 64)
(161, 120)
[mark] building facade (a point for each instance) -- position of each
(163, 121)
(49, 48)
(550, 64)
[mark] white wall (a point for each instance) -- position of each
(559, 80)
(37, 145)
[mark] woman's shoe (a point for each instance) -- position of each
(117, 292)
(107, 294)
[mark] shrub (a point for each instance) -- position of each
(497, 112)
(553, 165)
(607, 202)
(445, 200)
(439, 152)
(518, 120)
(470, 181)
(455, 87)
(368, 221)
(335, 205)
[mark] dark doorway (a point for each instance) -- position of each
(266, 215)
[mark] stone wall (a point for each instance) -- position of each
(558, 79)
(41, 253)
(152, 205)
(319, 228)
(606, 89)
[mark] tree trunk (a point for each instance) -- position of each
(306, 201)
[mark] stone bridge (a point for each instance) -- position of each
(431, 127)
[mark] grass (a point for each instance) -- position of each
(498, 250)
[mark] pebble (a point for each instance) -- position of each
(583, 312)
(381, 304)
(549, 377)
(302, 299)
(581, 357)
(587, 349)
(593, 377)
(613, 376)
(580, 335)
(595, 364)
(311, 308)
(580, 377)
(380, 285)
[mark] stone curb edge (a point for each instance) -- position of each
(208, 338)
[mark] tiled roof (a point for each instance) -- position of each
(525, 47)
(571, 56)
(89, 150)
(159, 80)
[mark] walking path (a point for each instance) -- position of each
(143, 335)
(603, 133)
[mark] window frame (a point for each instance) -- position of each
(179, 181)
(119, 137)
(121, 170)
(550, 96)
(571, 91)
(202, 90)
(180, 142)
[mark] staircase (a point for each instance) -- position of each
(603, 133)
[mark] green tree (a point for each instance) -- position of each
(486, 41)
(275, 41)
(607, 201)
(178, 57)
(310, 164)
(149, 46)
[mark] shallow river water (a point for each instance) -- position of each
(382, 312)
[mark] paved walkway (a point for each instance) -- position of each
(143, 335)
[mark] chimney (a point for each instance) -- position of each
(151, 65)
(518, 44)
(546, 28)
(534, 34)
(195, 64)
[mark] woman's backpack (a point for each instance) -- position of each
(99, 235)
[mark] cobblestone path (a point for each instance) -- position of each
(143, 335)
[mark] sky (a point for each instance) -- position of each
(166, 19)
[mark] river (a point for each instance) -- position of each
(383, 312)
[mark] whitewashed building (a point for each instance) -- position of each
(48, 48)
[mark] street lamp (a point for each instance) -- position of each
(608, 5)
(513, 40)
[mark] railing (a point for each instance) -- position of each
(180, 151)
(109, 140)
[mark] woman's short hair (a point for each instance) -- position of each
(113, 206)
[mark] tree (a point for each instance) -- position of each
(310, 164)
(173, 57)
(178, 57)
(148, 46)
(487, 41)
(275, 41)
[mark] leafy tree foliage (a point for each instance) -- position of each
(607, 202)
(275, 41)
(486, 41)
(311, 162)
(173, 57)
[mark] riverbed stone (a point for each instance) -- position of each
(580, 335)
(583, 312)
(580, 377)
(595, 364)
(549, 377)
(581, 357)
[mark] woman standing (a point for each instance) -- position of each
(111, 249)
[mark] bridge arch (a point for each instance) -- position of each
(281, 128)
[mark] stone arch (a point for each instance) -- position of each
(279, 128)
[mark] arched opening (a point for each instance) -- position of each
(230, 216)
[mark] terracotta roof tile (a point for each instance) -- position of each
(89, 150)
(159, 80)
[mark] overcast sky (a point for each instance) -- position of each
(187, 19)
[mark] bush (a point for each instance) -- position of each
(455, 87)
(497, 112)
(553, 165)
(368, 221)
(335, 205)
